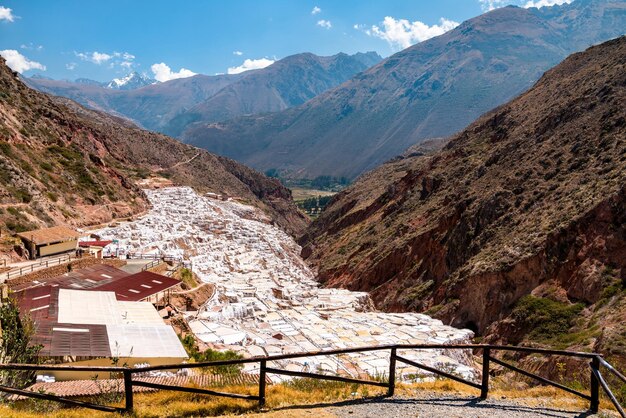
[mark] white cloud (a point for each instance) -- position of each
(251, 65)
(18, 62)
(316, 10)
(116, 58)
(238, 53)
(543, 3)
(162, 72)
(31, 47)
(402, 34)
(6, 14)
(324, 23)
(121, 60)
(95, 57)
(71, 66)
(488, 5)
(100, 57)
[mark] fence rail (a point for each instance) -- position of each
(19, 272)
(151, 264)
(161, 258)
(597, 381)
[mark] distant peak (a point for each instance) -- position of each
(132, 81)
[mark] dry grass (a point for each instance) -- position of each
(281, 396)
(173, 404)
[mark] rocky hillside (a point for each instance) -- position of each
(63, 164)
(432, 89)
(516, 229)
(288, 82)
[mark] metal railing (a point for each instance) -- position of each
(42, 264)
(597, 381)
(152, 264)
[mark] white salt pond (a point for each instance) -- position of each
(267, 300)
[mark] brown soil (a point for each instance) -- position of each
(191, 300)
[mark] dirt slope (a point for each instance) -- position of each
(530, 199)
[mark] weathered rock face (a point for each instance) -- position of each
(531, 198)
(63, 164)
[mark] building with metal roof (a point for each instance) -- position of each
(49, 241)
(90, 327)
(142, 286)
(91, 315)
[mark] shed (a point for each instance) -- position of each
(97, 248)
(49, 241)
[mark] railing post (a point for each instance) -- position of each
(484, 387)
(392, 373)
(595, 386)
(128, 390)
(262, 373)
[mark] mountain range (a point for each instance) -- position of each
(61, 163)
(168, 107)
(289, 82)
(515, 229)
(431, 89)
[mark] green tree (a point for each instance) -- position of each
(16, 344)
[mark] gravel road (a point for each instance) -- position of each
(449, 407)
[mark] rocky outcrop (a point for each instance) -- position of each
(530, 199)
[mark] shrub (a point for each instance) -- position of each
(16, 345)
(22, 195)
(547, 319)
(211, 355)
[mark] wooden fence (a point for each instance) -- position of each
(596, 361)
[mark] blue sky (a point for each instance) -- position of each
(102, 40)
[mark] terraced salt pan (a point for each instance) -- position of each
(267, 301)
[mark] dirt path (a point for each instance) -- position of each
(435, 405)
(180, 163)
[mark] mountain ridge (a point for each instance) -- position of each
(168, 107)
(527, 202)
(409, 96)
(61, 163)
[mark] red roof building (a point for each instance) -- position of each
(142, 286)
(101, 244)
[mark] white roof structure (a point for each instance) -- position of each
(147, 341)
(88, 307)
(139, 313)
(134, 329)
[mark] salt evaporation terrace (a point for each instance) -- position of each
(267, 301)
